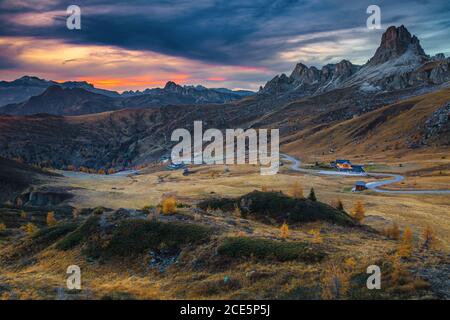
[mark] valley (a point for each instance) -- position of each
(86, 179)
(153, 274)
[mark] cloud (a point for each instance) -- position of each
(265, 34)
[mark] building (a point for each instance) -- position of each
(347, 166)
(359, 186)
(176, 166)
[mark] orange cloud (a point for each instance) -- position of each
(216, 79)
(113, 67)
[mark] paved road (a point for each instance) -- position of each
(82, 175)
(374, 186)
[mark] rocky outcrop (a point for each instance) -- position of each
(394, 43)
(398, 63)
(42, 198)
(437, 126)
(278, 85)
(309, 80)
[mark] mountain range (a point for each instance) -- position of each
(24, 95)
(399, 101)
(399, 62)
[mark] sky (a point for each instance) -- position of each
(238, 44)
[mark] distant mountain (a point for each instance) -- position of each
(63, 101)
(195, 94)
(399, 62)
(25, 87)
(74, 98)
(14, 96)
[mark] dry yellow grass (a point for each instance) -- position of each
(381, 210)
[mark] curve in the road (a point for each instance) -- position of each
(375, 186)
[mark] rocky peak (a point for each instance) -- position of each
(173, 87)
(394, 43)
(344, 68)
(279, 84)
(304, 75)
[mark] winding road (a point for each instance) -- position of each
(374, 186)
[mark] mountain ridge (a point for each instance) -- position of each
(399, 62)
(308, 102)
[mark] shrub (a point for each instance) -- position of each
(48, 235)
(243, 247)
(269, 206)
(30, 228)
(350, 264)
(80, 234)
(147, 209)
(237, 212)
(429, 238)
(317, 238)
(338, 205)
(312, 195)
(51, 220)
(276, 206)
(135, 236)
(406, 246)
(23, 215)
(358, 211)
(98, 211)
(335, 283)
(223, 204)
(284, 229)
(169, 205)
(393, 232)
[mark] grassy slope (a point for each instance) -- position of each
(15, 177)
(386, 130)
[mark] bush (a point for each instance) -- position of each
(30, 228)
(135, 236)
(312, 195)
(393, 232)
(80, 234)
(169, 205)
(284, 230)
(223, 204)
(270, 206)
(338, 205)
(243, 247)
(48, 235)
(98, 210)
(51, 220)
(358, 211)
(406, 246)
(429, 238)
(277, 206)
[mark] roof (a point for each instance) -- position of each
(342, 161)
(360, 183)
